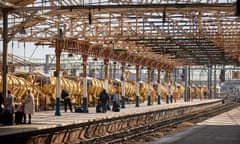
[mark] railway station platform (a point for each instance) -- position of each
(46, 122)
(221, 129)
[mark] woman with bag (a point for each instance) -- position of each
(29, 106)
(8, 109)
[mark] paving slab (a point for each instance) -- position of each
(47, 119)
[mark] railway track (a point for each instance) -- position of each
(146, 133)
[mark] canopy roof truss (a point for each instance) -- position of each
(182, 32)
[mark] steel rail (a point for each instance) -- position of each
(142, 130)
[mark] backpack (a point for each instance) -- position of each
(103, 97)
(64, 94)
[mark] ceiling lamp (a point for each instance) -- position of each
(22, 31)
(89, 17)
(60, 36)
(164, 15)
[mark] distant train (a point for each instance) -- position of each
(44, 88)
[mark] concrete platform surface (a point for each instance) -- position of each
(47, 119)
(221, 129)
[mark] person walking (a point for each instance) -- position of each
(67, 100)
(29, 106)
(104, 99)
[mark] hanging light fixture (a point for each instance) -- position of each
(22, 31)
(89, 17)
(60, 36)
(164, 15)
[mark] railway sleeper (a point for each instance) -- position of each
(73, 135)
(172, 121)
(91, 131)
(82, 133)
(40, 139)
(58, 137)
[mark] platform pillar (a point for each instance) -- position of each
(167, 87)
(5, 54)
(123, 84)
(149, 87)
(209, 82)
(171, 92)
(137, 86)
(171, 86)
(159, 86)
(187, 86)
(215, 82)
(85, 94)
(106, 62)
(58, 51)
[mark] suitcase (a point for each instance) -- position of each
(1, 117)
(8, 118)
(78, 109)
(99, 108)
(116, 107)
(18, 117)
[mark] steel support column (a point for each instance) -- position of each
(149, 87)
(123, 84)
(171, 87)
(187, 87)
(215, 82)
(85, 94)
(106, 62)
(159, 86)
(189, 84)
(209, 81)
(137, 86)
(58, 52)
(5, 53)
(167, 88)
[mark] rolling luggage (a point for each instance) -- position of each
(7, 118)
(116, 107)
(99, 108)
(19, 114)
(18, 117)
(78, 109)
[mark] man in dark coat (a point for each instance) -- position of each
(104, 99)
(67, 100)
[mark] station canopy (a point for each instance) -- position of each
(175, 33)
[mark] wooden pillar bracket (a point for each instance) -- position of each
(94, 50)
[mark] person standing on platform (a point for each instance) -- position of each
(1, 107)
(1, 103)
(104, 98)
(67, 100)
(9, 109)
(115, 107)
(19, 114)
(10, 102)
(29, 106)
